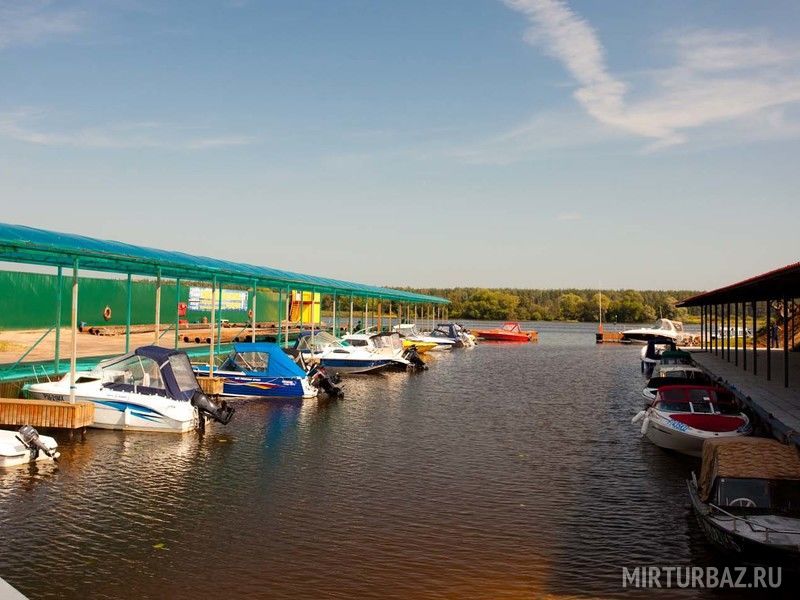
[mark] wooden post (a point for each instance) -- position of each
(785, 342)
(769, 340)
(73, 355)
(333, 321)
(755, 338)
(380, 316)
(158, 308)
(313, 316)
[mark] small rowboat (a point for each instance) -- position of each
(509, 332)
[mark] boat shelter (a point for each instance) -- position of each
(749, 340)
(31, 246)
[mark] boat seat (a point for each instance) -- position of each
(709, 422)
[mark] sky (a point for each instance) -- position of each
(426, 143)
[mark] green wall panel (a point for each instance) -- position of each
(28, 301)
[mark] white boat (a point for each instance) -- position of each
(674, 375)
(387, 345)
(26, 446)
(338, 358)
(663, 329)
(682, 417)
(409, 331)
(459, 337)
(149, 389)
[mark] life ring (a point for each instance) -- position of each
(250, 313)
(107, 313)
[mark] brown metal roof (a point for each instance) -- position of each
(771, 285)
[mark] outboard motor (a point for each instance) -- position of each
(412, 356)
(206, 407)
(320, 379)
(30, 439)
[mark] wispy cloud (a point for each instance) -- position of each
(569, 216)
(35, 21)
(32, 126)
(718, 76)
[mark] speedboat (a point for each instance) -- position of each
(747, 500)
(651, 353)
(682, 417)
(454, 332)
(389, 345)
(25, 446)
(411, 335)
(337, 357)
(149, 389)
(663, 328)
(261, 370)
(509, 332)
(674, 375)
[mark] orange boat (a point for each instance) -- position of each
(509, 332)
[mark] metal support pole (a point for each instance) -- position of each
(390, 316)
(736, 335)
(785, 342)
(280, 317)
(156, 335)
(702, 327)
(728, 330)
(73, 355)
(769, 340)
(287, 312)
(57, 355)
(333, 321)
(366, 313)
(744, 336)
(255, 316)
(380, 316)
(219, 320)
(128, 316)
(213, 317)
(755, 338)
(716, 332)
(351, 314)
(177, 312)
(313, 304)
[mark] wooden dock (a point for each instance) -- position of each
(776, 406)
(46, 414)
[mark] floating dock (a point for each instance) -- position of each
(46, 414)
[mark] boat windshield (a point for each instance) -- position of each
(182, 370)
(251, 361)
(320, 341)
(134, 370)
(780, 495)
(511, 327)
(357, 342)
(387, 341)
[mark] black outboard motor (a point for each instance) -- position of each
(320, 379)
(30, 439)
(206, 407)
(412, 356)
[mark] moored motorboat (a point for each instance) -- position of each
(337, 357)
(663, 328)
(454, 333)
(747, 499)
(149, 389)
(388, 345)
(26, 446)
(260, 370)
(674, 375)
(411, 335)
(509, 332)
(682, 417)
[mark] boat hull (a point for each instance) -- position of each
(14, 453)
(246, 386)
(674, 435)
(130, 412)
(502, 336)
(344, 366)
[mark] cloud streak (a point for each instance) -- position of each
(25, 125)
(717, 77)
(33, 21)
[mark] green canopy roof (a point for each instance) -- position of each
(40, 247)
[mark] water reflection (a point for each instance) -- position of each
(503, 471)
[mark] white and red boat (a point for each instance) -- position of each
(682, 417)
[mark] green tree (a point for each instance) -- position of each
(570, 306)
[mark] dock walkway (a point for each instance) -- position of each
(776, 405)
(46, 414)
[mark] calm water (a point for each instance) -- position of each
(504, 471)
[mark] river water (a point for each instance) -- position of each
(505, 471)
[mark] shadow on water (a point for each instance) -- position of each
(505, 471)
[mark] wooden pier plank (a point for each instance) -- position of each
(46, 414)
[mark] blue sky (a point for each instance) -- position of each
(525, 143)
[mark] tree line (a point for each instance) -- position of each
(623, 306)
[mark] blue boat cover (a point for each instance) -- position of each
(279, 364)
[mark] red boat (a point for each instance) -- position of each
(509, 332)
